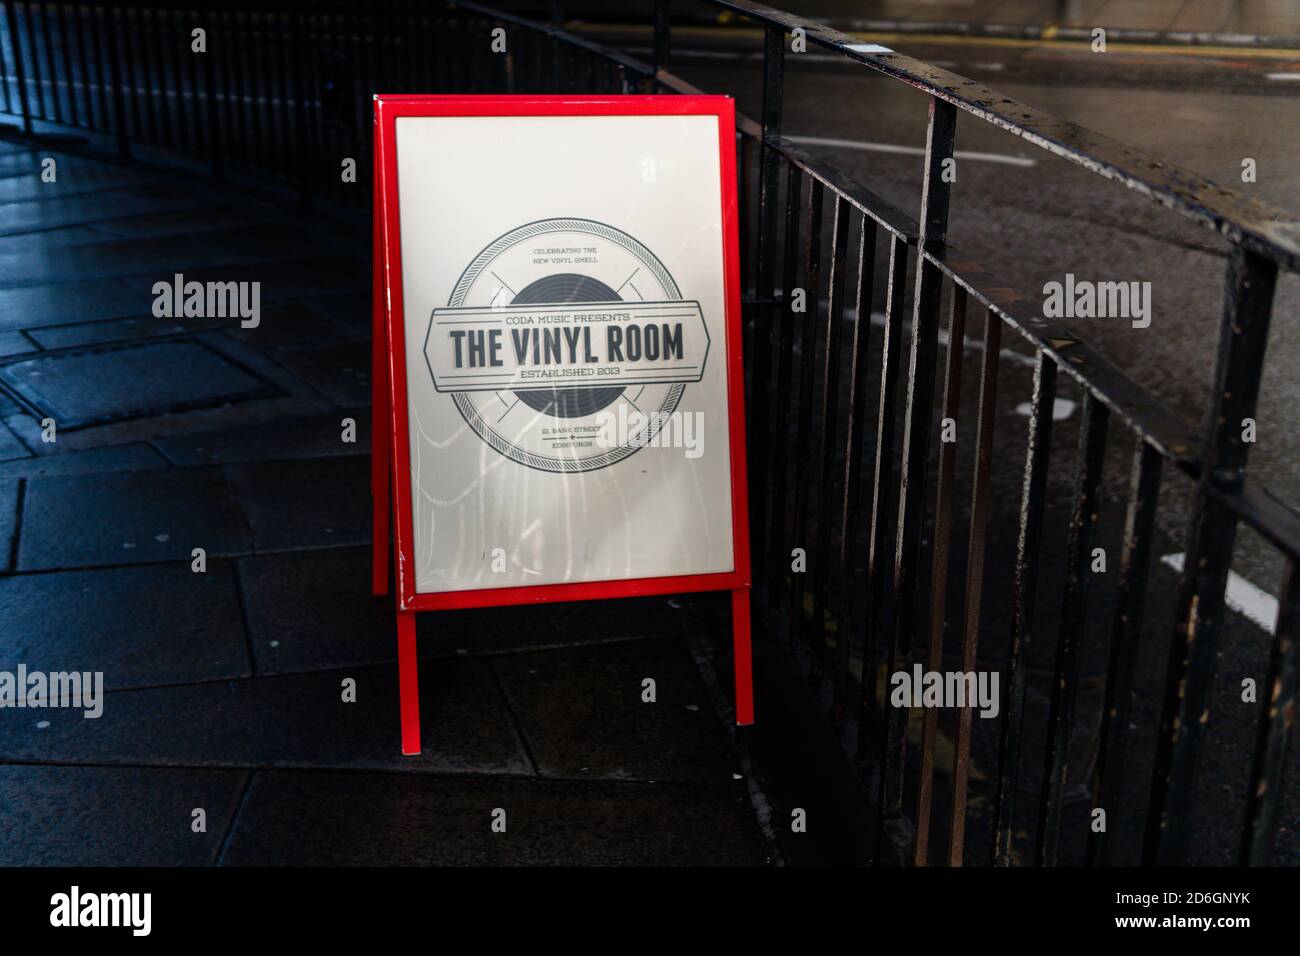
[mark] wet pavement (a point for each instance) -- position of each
(198, 531)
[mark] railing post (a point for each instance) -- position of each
(115, 72)
(20, 74)
(1074, 613)
(663, 36)
(1211, 533)
(909, 547)
(30, 14)
(557, 23)
(1125, 638)
(769, 189)
(1023, 601)
(773, 98)
(304, 151)
(49, 58)
(209, 79)
(4, 78)
(1264, 793)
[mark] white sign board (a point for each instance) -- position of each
(565, 319)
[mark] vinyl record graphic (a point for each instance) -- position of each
(558, 428)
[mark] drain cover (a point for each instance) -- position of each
(113, 383)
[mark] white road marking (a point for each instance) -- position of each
(826, 57)
(909, 150)
(1007, 355)
(1062, 408)
(1242, 596)
(1285, 77)
(701, 54)
(697, 54)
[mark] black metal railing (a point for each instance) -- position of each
(844, 464)
(281, 89)
(909, 488)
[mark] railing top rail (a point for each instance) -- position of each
(860, 197)
(1259, 227)
(571, 39)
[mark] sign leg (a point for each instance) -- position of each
(408, 682)
(743, 659)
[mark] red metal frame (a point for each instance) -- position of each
(391, 434)
(379, 470)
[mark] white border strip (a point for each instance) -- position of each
(1242, 596)
(1022, 161)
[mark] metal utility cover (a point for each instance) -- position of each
(114, 383)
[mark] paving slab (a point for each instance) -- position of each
(309, 503)
(288, 721)
(15, 343)
(223, 215)
(563, 624)
(582, 713)
(341, 372)
(51, 240)
(313, 609)
(142, 626)
(264, 363)
(11, 148)
(133, 457)
(285, 399)
(27, 426)
(324, 819)
(18, 162)
(114, 816)
(106, 331)
(136, 430)
(158, 256)
(9, 496)
(131, 517)
(310, 610)
(111, 383)
(349, 309)
(40, 214)
(11, 447)
(291, 279)
(320, 436)
(296, 325)
(73, 176)
(62, 303)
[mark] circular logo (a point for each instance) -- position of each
(562, 262)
